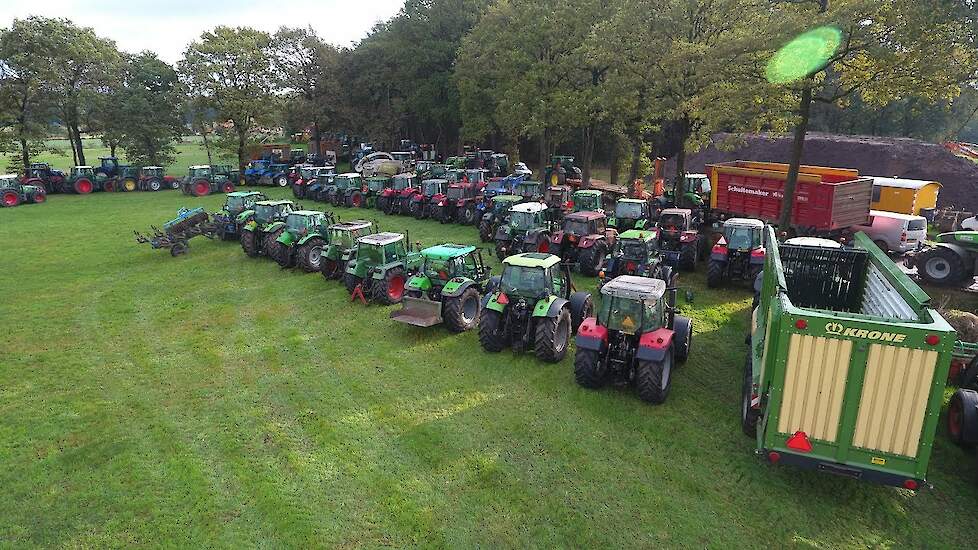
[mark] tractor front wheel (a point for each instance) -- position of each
(714, 273)
(687, 257)
(592, 259)
(83, 186)
(962, 418)
(298, 191)
(350, 281)
(129, 185)
(109, 186)
(466, 215)
(491, 336)
(588, 370)
(154, 184)
(414, 209)
(941, 266)
(485, 231)
(461, 312)
(227, 187)
(390, 289)
(201, 188)
(282, 181)
(10, 198)
(654, 378)
(272, 248)
(311, 255)
(552, 336)
(39, 197)
(330, 268)
(682, 328)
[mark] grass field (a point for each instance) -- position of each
(218, 400)
(189, 151)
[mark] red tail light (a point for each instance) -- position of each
(502, 299)
(932, 340)
(774, 457)
(799, 442)
(903, 237)
(444, 276)
(910, 484)
(801, 324)
(570, 204)
(720, 249)
(630, 266)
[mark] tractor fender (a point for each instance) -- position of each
(550, 307)
(252, 225)
(381, 271)
(533, 235)
(308, 237)
(244, 216)
(653, 346)
(591, 335)
(557, 237)
(961, 251)
(456, 286)
(286, 238)
(640, 224)
(274, 226)
(491, 301)
(418, 282)
(719, 255)
(588, 241)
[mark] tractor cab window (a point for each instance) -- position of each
(743, 238)
(401, 184)
(576, 227)
(342, 183)
(630, 210)
(698, 185)
(306, 173)
(501, 207)
(264, 212)
(393, 251)
(432, 188)
(522, 221)
(628, 316)
(557, 281)
(371, 254)
(375, 185)
(524, 281)
(438, 268)
(672, 222)
(204, 172)
(454, 192)
(298, 223)
(238, 204)
(631, 249)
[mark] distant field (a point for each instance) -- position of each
(190, 151)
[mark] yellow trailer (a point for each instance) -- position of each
(904, 196)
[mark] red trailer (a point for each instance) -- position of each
(827, 200)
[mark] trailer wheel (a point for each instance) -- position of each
(654, 379)
(962, 418)
(462, 312)
(589, 372)
(491, 337)
(552, 336)
(311, 255)
(682, 328)
(748, 415)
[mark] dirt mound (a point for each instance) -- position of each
(872, 156)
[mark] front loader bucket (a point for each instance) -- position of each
(418, 312)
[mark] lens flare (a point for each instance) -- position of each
(806, 54)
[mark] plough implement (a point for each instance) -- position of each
(176, 233)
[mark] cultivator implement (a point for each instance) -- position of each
(176, 233)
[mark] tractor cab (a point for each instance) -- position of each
(345, 182)
(635, 253)
(302, 222)
(109, 165)
(561, 169)
(586, 200)
(432, 187)
(455, 175)
(201, 171)
(342, 240)
(579, 224)
(632, 305)
(376, 184)
(151, 172)
(269, 211)
(400, 182)
(404, 157)
(502, 204)
(631, 214)
(239, 201)
(528, 215)
(673, 221)
(742, 234)
(558, 197)
(223, 171)
(447, 288)
(498, 164)
(479, 177)
(82, 172)
(9, 181)
(347, 233)
(533, 275)
(126, 171)
(739, 253)
(529, 190)
(379, 268)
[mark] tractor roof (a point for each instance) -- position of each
(82, 166)
(499, 155)
(401, 153)
(743, 222)
(351, 226)
(447, 251)
(381, 177)
(680, 211)
(696, 175)
(273, 203)
(532, 259)
(199, 166)
(585, 216)
(529, 207)
(635, 288)
(380, 239)
(305, 213)
(435, 180)
(635, 200)
(349, 175)
(403, 175)
(507, 198)
(638, 235)
(243, 193)
(8, 176)
(592, 192)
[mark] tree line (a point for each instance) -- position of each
(612, 81)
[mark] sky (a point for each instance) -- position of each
(168, 26)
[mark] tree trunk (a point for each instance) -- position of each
(614, 159)
(636, 155)
(797, 148)
(112, 147)
(589, 132)
(25, 153)
(241, 150)
(207, 146)
(71, 140)
(316, 138)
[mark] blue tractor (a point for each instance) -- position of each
(266, 172)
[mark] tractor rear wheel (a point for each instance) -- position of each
(10, 198)
(962, 418)
(109, 186)
(350, 281)
(311, 255)
(348, 200)
(714, 273)
(461, 312)
(682, 328)
(592, 259)
(270, 245)
(748, 415)
(383, 204)
(298, 191)
(654, 378)
(941, 266)
(485, 231)
(249, 243)
(588, 370)
(466, 216)
(330, 268)
(129, 185)
(356, 199)
(414, 209)
(552, 334)
(83, 186)
(491, 336)
(687, 257)
(390, 289)
(581, 307)
(174, 184)
(227, 187)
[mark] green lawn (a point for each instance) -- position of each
(190, 151)
(217, 400)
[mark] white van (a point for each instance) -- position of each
(894, 232)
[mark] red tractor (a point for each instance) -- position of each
(584, 239)
(679, 240)
(458, 204)
(40, 174)
(637, 338)
(407, 186)
(433, 191)
(739, 254)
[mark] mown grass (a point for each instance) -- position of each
(189, 151)
(218, 400)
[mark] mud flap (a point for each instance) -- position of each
(419, 312)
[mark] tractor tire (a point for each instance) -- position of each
(271, 247)
(552, 336)
(462, 312)
(108, 186)
(654, 378)
(200, 188)
(682, 328)
(310, 255)
(491, 338)
(687, 257)
(39, 197)
(714, 274)
(942, 266)
(298, 191)
(227, 187)
(668, 275)
(350, 281)
(466, 216)
(581, 307)
(348, 200)
(383, 204)
(356, 200)
(414, 209)
(154, 184)
(330, 269)
(962, 418)
(588, 369)
(175, 184)
(485, 231)
(591, 260)
(390, 289)
(282, 181)
(249, 243)
(10, 198)
(83, 186)
(748, 416)
(501, 250)
(128, 185)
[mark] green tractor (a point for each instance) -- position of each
(587, 200)
(82, 177)
(631, 214)
(636, 253)
(534, 305)
(128, 180)
(239, 208)
(529, 229)
(299, 240)
(380, 266)
(13, 192)
(496, 216)
(373, 189)
(255, 230)
(951, 261)
(529, 190)
(448, 288)
(202, 180)
(694, 193)
(561, 169)
(342, 246)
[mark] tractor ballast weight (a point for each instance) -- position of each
(951, 261)
(379, 269)
(637, 338)
(738, 254)
(300, 239)
(447, 288)
(176, 233)
(342, 246)
(533, 305)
